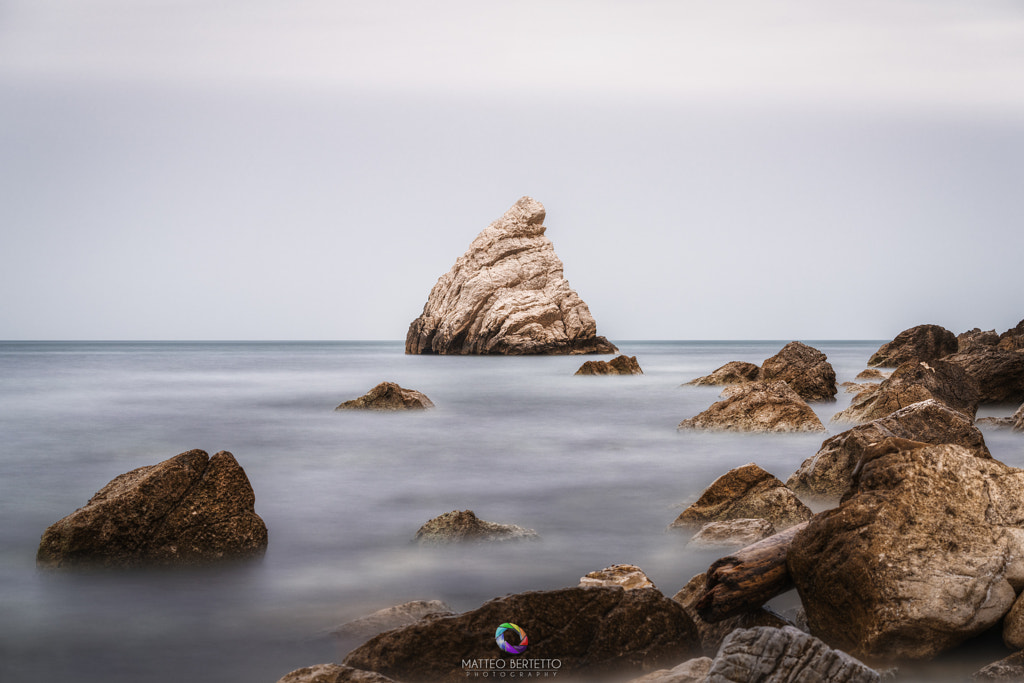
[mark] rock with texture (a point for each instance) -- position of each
(732, 533)
(507, 295)
(692, 671)
(627, 576)
(620, 365)
(784, 655)
(1013, 626)
(392, 617)
(973, 340)
(805, 369)
(744, 493)
(1007, 670)
(1013, 338)
(596, 633)
(924, 553)
(333, 673)
(872, 374)
(388, 396)
(465, 527)
(758, 407)
(860, 387)
(911, 383)
(998, 373)
(829, 472)
(189, 509)
(734, 372)
(921, 343)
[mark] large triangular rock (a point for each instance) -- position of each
(507, 295)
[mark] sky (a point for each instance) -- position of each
(803, 169)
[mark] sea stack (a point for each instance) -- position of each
(507, 295)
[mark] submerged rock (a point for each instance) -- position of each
(744, 493)
(466, 527)
(758, 407)
(620, 365)
(911, 383)
(829, 472)
(805, 369)
(690, 671)
(732, 533)
(1007, 670)
(627, 576)
(594, 633)
(998, 373)
(924, 553)
(333, 673)
(388, 396)
(189, 509)
(734, 372)
(392, 617)
(921, 343)
(507, 295)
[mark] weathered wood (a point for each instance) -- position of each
(748, 578)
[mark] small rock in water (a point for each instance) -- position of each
(921, 343)
(388, 396)
(732, 533)
(620, 365)
(466, 527)
(690, 671)
(805, 369)
(872, 373)
(912, 382)
(391, 617)
(333, 673)
(758, 407)
(1007, 670)
(735, 372)
(628, 576)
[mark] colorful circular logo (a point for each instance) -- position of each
(499, 636)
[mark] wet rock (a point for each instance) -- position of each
(620, 365)
(1013, 338)
(758, 407)
(1007, 670)
(388, 396)
(973, 340)
(829, 472)
(713, 633)
(924, 553)
(744, 493)
(805, 369)
(506, 295)
(626, 576)
(784, 655)
(921, 343)
(189, 509)
(998, 373)
(872, 374)
(392, 617)
(595, 633)
(911, 383)
(692, 671)
(466, 527)
(735, 372)
(732, 533)
(333, 673)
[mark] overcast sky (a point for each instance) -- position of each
(180, 169)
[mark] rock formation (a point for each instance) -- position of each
(594, 633)
(1007, 670)
(392, 617)
(1013, 338)
(744, 493)
(924, 553)
(507, 295)
(973, 340)
(466, 527)
(805, 369)
(734, 372)
(921, 343)
(690, 671)
(872, 374)
(998, 373)
(333, 673)
(388, 396)
(190, 509)
(627, 576)
(713, 633)
(829, 472)
(620, 365)
(758, 407)
(913, 382)
(732, 533)
(784, 655)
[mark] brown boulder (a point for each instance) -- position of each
(620, 365)
(999, 374)
(732, 533)
(924, 553)
(734, 372)
(333, 673)
(690, 671)
(1013, 338)
(872, 373)
(465, 527)
(189, 509)
(758, 407)
(1007, 670)
(591, 633)
(388, 396)
(921, 343)
(911, 383)
(392, 617)
(973, 340)
(744, 493)
(805, 369)
(829, 472)
(627, 576)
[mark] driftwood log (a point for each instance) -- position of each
(748, 578)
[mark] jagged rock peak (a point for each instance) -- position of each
(507, 295)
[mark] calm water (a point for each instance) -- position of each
(595, 465)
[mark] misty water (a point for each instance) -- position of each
(594, 464)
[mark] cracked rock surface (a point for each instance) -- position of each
(912, 382)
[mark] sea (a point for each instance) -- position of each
(594, 464)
